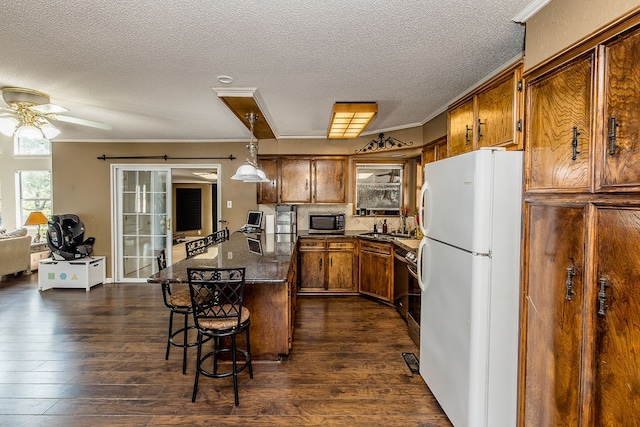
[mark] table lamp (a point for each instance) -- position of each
(36, 218)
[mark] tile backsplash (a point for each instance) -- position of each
(352, 222)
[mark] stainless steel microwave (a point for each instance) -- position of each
(326, 223)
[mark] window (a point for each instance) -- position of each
(31, 147)
(33, 193)
(379, 188)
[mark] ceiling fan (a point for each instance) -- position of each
(29, 114)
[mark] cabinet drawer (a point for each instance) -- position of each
(341, 245)
(379, 248)
(312, 244)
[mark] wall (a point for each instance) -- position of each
(562, 23)
(81, 182)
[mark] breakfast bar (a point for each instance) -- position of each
(270, 291)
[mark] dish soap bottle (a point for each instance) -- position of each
(384, 227)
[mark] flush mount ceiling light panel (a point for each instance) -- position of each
(349, 119)
(244, 103)
(29, 114)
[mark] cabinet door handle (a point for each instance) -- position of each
(306, 184)
(320, 263)
(480, 123)
(466, 134)
(569, 284)
(602, 297)
(574, 143)
(612, 135)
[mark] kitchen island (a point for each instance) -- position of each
(270, 291)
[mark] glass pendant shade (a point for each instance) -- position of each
(49, 131)
(8, 125)
(28, 131)
(244, 172)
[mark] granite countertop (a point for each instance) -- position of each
(266, 257)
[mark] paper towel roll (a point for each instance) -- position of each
(269, 224)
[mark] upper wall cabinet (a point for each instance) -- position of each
(620, 139)
(298, 179)
(559, 128)
(489, 116)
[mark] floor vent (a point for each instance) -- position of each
(412, 362)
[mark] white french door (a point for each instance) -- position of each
(141, 218)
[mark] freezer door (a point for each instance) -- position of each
(454, 331)
(457, 200)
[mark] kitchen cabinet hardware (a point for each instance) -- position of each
(602, 297)
(612, 135)
(466, 135)
(480, 123)
(574, 143)
(569, 283)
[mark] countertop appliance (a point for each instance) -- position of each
(469, 264)
(320, 223)
(286, 219)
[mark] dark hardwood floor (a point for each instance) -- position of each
(74, 358)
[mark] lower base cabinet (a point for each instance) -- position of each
(581, 311)
(376, 270)
(327, 265)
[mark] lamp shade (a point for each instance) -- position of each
(8, 125)
(28, 131)
(49, 131)
(244, 172)
(36, 218)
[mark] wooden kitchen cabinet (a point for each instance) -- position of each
(376, 270)
(580, 348)
(494, 122)
(460, 125)
(303, 179)
(581, 319)
(620, 140)
(329, 180)
(435, 150)
(328, 265)
(342, 265)
(295, 180)
(559, 128)
(490, 116)
(268, 191)
(312, 268)
(553, 304)
(292, 282)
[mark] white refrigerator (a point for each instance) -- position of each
(469, 268)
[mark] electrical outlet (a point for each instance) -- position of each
(229, 255)
(229, 204)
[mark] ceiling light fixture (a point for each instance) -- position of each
(249, 172)
(383, 143)
(349, 119)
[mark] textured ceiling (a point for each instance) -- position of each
(147, 67)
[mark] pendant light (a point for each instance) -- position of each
(249, 171)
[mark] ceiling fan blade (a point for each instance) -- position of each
(83, 122)
(49, 108)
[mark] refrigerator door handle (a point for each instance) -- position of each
(421, 282)
(422, 205)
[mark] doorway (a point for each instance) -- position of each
(143, 214)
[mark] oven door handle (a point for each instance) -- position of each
(413, 271)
